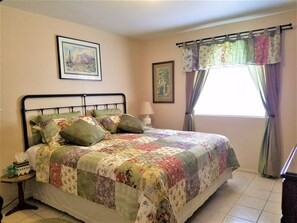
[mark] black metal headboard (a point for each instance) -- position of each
(83, 104)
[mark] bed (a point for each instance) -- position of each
(116, 170)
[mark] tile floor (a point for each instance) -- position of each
(244, 199)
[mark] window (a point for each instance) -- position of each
(230, 92)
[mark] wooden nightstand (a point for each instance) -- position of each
(22, 205)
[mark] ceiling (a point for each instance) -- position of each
(150, 19)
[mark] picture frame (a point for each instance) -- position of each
(79, 59)
(163, 82)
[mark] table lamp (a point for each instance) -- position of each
(146, 110)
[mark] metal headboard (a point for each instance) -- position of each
(84, 106)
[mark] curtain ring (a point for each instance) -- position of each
(250, 34)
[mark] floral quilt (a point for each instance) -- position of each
(145, 177)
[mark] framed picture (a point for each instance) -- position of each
(163, 82)
(79, 59)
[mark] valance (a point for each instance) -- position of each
(257, 49)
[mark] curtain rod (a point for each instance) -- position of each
(282, 27)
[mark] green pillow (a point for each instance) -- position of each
(43, 118)
(82, 133)
(111, 111)
(130, 124)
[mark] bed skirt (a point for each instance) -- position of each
(91, 212)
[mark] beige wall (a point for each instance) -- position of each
(244, 133)
(29, 66)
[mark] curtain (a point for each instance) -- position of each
(267, 81)
(194, 84)
(254, 50)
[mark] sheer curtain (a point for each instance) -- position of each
(262, 53)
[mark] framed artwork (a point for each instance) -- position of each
(79, 59)
(163, 82)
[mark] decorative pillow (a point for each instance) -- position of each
(110, 123)
(42, 118)
(111, 111)
(82, 133)
(129, 123)
(50, 129)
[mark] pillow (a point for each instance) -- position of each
(110, 123)
(82, 133)
(41, 118)
(50, 129)
(111, 111)
(129, 123)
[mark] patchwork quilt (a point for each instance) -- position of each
(145, 177)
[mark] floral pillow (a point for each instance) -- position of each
(49, 131)
(109, 122)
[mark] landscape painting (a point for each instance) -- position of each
(79, 59)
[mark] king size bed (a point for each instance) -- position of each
(99, 164)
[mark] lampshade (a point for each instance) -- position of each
(146, 108)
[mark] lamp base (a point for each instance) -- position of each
(147, 120)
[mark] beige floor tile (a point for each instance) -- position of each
(276, 197)
(48, 212)
(71, 219)
(234, 186)
(244, 175)
(231, 219)
(263, 183)
(254, 192)
(278, 187)
(251, 202)
(273, 207)
(31, 219)
(17, 216)
(207, 216)
(227, 196)
(246, 213)
(218, 204)
(267, 217)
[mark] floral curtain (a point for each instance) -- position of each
(259, 49)
(256, 49)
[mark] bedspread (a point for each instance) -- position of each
(147, 177)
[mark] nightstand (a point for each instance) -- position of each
(22, 205)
